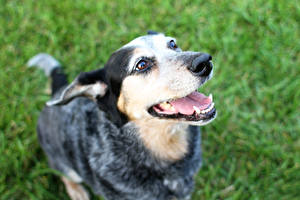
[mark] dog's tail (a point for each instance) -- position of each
(52, 68)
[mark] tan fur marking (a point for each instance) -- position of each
(167, 79)
(75, 190)
(121, 102)
(166, 140)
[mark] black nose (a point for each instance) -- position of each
(201, 65)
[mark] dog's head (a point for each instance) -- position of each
(150, 77)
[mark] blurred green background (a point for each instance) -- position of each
(251, 151)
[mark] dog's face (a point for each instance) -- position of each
(162, 82)
(151, 77)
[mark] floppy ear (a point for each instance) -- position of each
(89, 84)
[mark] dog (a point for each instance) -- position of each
(129, 130)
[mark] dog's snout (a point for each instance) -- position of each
(201, 65)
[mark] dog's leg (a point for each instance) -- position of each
(75, 190)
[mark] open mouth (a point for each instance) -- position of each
(193, 107)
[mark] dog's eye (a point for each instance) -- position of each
(142, 65)
(172, 44)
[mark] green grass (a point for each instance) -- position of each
(251, 151)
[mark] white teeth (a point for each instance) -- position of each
(197, 109)
(167, 106)
(172, 108)
(209, 108)
(210, 97)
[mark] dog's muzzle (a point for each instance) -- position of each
(201, 65)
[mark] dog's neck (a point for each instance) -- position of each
(167, 140)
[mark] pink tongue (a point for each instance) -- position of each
(185, 105)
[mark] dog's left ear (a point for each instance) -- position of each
(88, 84)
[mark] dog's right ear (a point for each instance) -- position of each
(89, 84)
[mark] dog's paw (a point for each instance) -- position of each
(75, 190)
(78, 194)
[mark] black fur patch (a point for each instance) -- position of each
(59, 80)
(114, 72)
(91, 77)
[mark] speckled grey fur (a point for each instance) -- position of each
(113, 161)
